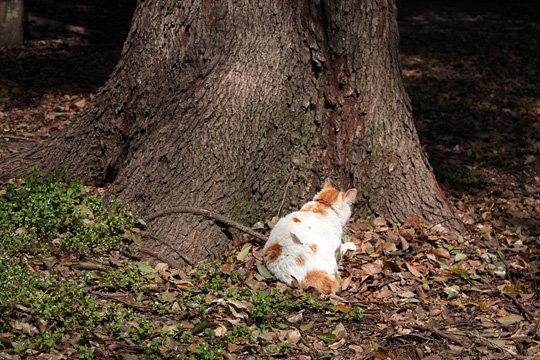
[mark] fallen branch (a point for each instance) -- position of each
(120, 300)
(438, 332)
(211, 215)
(524, 311)
(17, 137)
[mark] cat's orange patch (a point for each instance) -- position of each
(301, 260)
(296, 220)
(272, 252)
(314, 247)
(316, 208)
(320, 280)
(330, 195)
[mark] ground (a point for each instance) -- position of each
(472, 75)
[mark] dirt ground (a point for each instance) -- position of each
(472, 72)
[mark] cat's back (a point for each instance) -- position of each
(305, 224)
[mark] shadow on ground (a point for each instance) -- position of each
(472, 76)
(70, 48)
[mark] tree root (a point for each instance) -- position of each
(261, 239)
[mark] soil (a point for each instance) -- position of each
(471, 70)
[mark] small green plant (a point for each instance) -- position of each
(128, 278)
(268, 306)
(38, 215)
(205, 352)
(458, 176)
(62, 306)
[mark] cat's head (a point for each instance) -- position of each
(338, 201)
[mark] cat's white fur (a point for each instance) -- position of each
(300, 232)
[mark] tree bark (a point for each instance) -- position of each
(220, 105)
(11, 22)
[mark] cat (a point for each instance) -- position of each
(304, 248)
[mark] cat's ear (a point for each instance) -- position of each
(350, 196)
(328, 183)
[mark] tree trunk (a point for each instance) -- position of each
(227, 106)
(11, 22)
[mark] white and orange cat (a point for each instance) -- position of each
(304, 247)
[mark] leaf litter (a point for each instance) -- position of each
(408, 292)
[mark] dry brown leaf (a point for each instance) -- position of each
(337, 344)
(343, 308)
(404, 243)
(414, 220)
(346, 282)
(220, 330)
(384, 293)
(414, 270)
(372, 268)
(356, 348)
(293, 336)
(234, 348)
(407, 233)
(442, 252)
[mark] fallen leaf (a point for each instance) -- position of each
(337, 344)
(414, 220)
(372, 268)
(243, 253)
(169, 296)
(293, 336)
(263, 271)
(343, 308)
(295, 318)
(460, 257)
(327, 337)
(406, 294)
(306, 327)
(404, 243)
(234, 348)
(81, 104)
(407, 233)
(220, 330)
(345, 284)
(441, 252)
(451, 292)
(510, 319)
(203, 325)
(144, 268)
(413, 270)
(340, 331)
(295, 239)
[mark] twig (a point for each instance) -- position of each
(442, 222)
(211, 215)
(493, 345)
(529, 315)
(120, 300)
(85, 265)
(284, 194)
(445, 335)
(159, 257)
(438, 332)
(17, 137)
